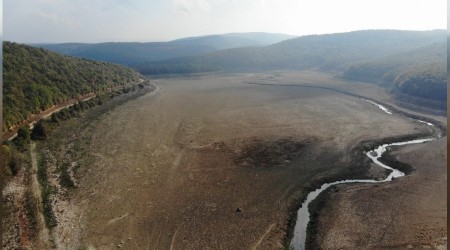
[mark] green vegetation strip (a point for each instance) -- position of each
(47, 191)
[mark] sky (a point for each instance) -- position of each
(55, 21)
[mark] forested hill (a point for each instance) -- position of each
(420, 72)
(35, 79)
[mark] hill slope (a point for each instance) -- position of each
(36, 79)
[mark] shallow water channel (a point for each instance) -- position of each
(303, 216)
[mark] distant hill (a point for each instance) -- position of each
(234, 40)
(137, 53)
(35, 79)
(323, 52)
(127, 53)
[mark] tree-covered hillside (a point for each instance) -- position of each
(35, 79)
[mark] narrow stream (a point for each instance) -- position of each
(298, 241)
(380, 106)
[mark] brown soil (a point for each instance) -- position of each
(213, 162)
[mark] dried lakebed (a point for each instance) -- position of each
(250, 141)
(303, 215)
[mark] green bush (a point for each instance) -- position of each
(50, 219)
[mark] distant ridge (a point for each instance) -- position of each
(133, 53)
(234, 40)
(324, 52)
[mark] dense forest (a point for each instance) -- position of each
(35, 79)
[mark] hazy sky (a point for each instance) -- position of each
(161, 20)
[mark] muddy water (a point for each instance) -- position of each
(298, 242)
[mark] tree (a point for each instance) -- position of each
(39, 131)
(23, 138)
